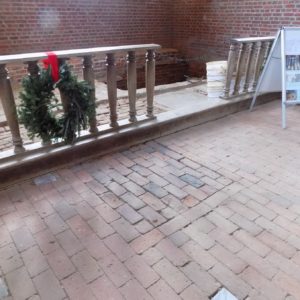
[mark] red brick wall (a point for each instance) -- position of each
(203, 28)
(40, 25)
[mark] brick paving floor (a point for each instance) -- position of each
(180, 217)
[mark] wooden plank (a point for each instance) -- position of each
(253, 39)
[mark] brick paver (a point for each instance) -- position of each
(176, 218)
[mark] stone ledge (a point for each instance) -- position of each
(43, 160)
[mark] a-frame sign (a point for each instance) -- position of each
(282, 70)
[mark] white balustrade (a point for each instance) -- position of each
(246, 59)
(32, 59)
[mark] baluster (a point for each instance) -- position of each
(33, 68)
(9, 107)
(131, 85)
(33, 71)
(64, 98)
(257, 64)
(89, 76)
(230, 70)
(248, 67)
(150, 81)
(265, 50)
(239, 69)
(112, 88)
(267, 47)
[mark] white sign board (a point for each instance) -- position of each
(282, 70)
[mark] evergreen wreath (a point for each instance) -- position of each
(38, 105)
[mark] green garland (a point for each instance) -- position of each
(38, 105)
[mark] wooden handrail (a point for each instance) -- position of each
(6, 59)
(253, 39)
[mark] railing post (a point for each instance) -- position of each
(267, 47)
(9, 107)
(64, 99)
(248, 67)
(112, 88)
(89, 77)
(150, 81)
(131, 85)
(33, 68)
(239, 69)
(33, 71)
(258, 63)
(230, 70)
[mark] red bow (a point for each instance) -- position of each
(52, 61)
